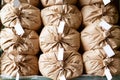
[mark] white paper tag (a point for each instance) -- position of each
(62, 77)
(61, 27)
(60, 53)
(17, 76)
(108, 74)
(16, 3)
(19, 29)
(108, 50)
(105, 25)
(106, 2)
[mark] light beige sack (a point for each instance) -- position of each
(47, 3)
(70, 67)
(10, 42)
(51, 40)
(25, 65)
(96, 12)
(28, 16)
(32, 2)
(69, 13)
(89, 2)
(95, 62)
(94, 37)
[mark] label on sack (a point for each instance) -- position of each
(108, 74)
(60, 54)
(61, 27)
(105, 25)
(19, 29)
(16, 3)
(62, 77)
(108, 50)
(106, 2)
(17, 76)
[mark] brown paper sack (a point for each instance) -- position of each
(32, 2)
(70, 67)
(28, 15)
(51, 40)
(46, 3)
(69, 13)
(12, 43)
(0, 65)
(96, 12)
(89, 2)
(94, 37)
(25, 65)
(95, 62)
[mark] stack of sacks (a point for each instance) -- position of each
(19, 39)
(60, 38)
(94, 38)
(100, 38)
(50, 43)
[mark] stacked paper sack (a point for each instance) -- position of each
(59, 39)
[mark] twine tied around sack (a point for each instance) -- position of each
(61, 15)
(20, 45)
(98, 13)
(61, 64)
(16, 58)
(58, 38)
(107, 61)
(18, 41)
(105, 33)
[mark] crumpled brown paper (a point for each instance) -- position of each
(95, 62)
(28, 15)
(89, 2)
(70, 67)
(96, 12)
(0, 65)
(32, 2)
(25, 65)
(10, 42)
(47, 3)
(94, 37)
(69, 13)
(51, 40)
